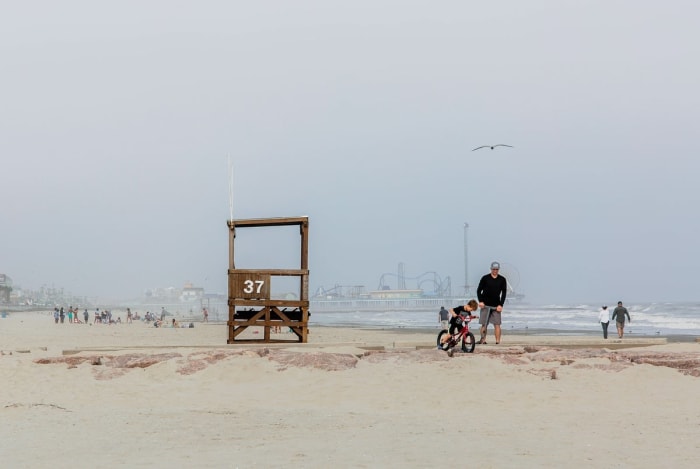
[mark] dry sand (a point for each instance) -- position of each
(136, 396)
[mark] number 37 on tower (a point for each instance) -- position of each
(250, 286)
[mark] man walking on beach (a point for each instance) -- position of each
(619, 317)
(443, 318)
(491, 293)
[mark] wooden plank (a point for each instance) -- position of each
(249, 285)
(282, 303)
(249, 318)
(304, 294)
(231, 236)
(278, 272)
(291, 316)
(238, 330)
(280, 221)
(304, 232)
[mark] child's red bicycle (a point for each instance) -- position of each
(463, 335)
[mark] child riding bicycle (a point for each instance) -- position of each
(456, 321)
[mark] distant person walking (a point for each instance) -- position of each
(491, 293)
(205, 315)
(443, 318)
(604, 319)
(619, 316)
(86, 316)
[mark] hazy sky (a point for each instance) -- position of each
(117, 119)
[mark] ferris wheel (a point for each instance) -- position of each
(512, 276)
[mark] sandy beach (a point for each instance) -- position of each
(130, 395)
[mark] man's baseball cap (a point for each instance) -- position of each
(495, 265)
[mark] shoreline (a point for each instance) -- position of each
(27, 330)
(594, 331)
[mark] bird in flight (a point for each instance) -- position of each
(493, 146)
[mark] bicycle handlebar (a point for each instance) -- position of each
(467, 317)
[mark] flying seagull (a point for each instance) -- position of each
(493, 146)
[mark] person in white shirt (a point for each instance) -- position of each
(604, 318)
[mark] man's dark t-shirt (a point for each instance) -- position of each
(619, 314)
(492, 291)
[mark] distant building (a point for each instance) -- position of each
(5, 288)
(167, 294)
(191, 293)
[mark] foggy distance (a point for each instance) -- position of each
(118, 120)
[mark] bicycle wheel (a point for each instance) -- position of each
(439, 337)
(468, 343)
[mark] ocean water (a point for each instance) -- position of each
(648, 319)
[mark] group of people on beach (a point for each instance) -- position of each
(73, 315)
(618, 315)
(491, 295)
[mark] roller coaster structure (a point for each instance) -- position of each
(429, 283)
(440, 287)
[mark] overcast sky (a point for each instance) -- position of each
(117, 119)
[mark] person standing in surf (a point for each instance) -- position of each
(491, 293)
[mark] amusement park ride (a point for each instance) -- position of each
(430, 290)
(428, 284)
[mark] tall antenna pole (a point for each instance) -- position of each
(231, 226)
(230, 188)
(466, 264)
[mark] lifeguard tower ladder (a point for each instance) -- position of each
(249, 302)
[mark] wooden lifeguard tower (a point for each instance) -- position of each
(249, 302)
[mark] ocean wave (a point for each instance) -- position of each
(647, 318)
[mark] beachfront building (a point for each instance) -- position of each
(5, 288)
(191, 293)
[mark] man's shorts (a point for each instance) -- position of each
(495, 318)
